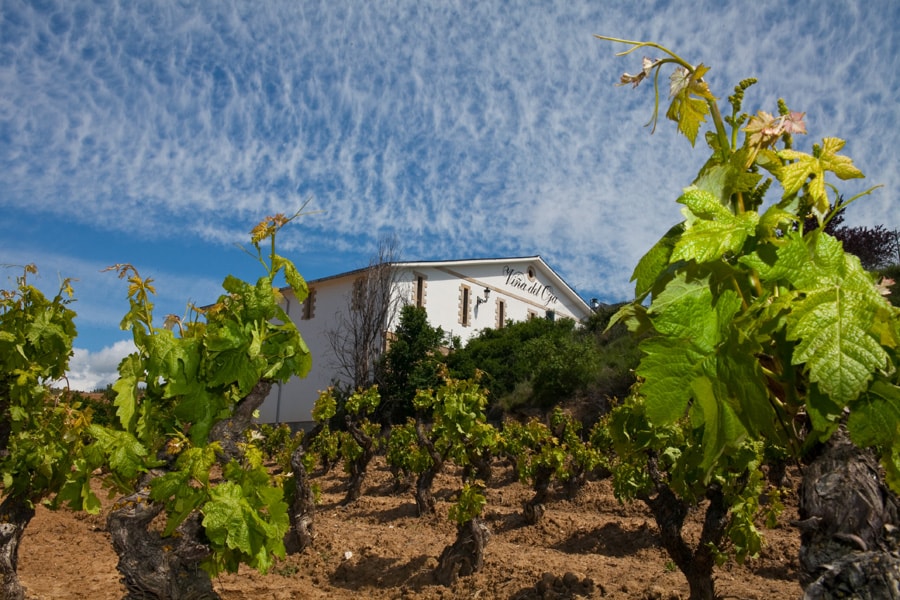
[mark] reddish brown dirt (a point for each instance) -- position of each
(378, 548)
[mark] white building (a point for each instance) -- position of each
(460, 296)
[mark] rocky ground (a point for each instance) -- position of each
(588, 547)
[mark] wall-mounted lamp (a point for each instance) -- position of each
(479, 300)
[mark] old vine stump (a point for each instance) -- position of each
(154, 567)
(303, 508)
(464, 556)
(15, 514)
(848, 523)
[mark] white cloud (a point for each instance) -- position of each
(469, 128)
(89, 371)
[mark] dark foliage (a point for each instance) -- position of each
(541, 363)
(876, 247)
(411, 362)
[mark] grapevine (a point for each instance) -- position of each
(758, 329)
(359, 443)
(41, 431)
(184, 401)
(458, 431)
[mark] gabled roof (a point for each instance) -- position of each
(558, 282)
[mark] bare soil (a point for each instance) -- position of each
(587, 547)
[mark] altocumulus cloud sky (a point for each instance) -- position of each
(158, 134)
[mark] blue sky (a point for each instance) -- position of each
(159, 133)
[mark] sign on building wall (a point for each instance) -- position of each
(528, 283)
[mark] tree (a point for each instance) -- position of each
(759, 333)
(559, 364)
(539, 363)
(412, 362)
(495, 353)
(358, 337)
(41, 432)
(876, 247)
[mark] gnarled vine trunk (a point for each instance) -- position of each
(848, 523)
(424, 498)
(15, 515)
(359, 466)
(168, 568)
(154, 567)
(575, 482)
(402, 480)
(480, 467)
(533, 509)
(303, 508)
(230, 432)
(464, 556)
(425, 504)
(669, 512)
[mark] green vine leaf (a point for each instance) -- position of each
(698, 352)
(723, 180)
(77, 492)
(782, 264)
(130, 373)
(711, 229)
(738, 381)
(126, 455)
(686, 109)
(653, 264)
(687, 310)
(721, 427)
(875, 421)
(833, 316)
(824, 413)
(245, 519)
(230, 522)
(774, 221)
(668, 368)
(292, 276)
(834, 342)
(794, 175)
(201, 408)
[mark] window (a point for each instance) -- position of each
(420, 290)
(551, 315)
(465, 296)
(359, 294)
(501, 314)
(531, 315)
(389, 338)
(308, 308)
